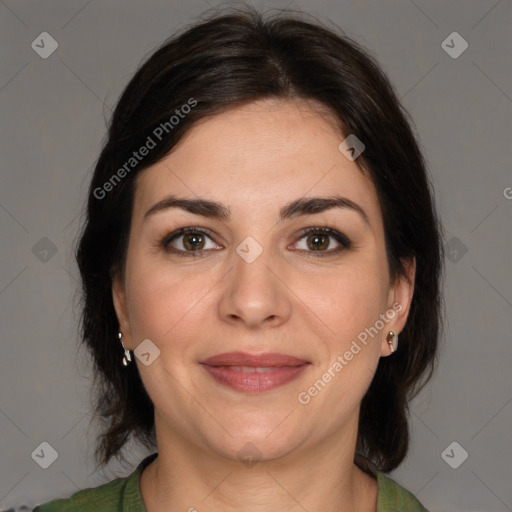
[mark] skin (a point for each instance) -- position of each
(255, 159)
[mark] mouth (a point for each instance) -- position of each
(254, 373)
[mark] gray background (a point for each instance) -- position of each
(52, 113)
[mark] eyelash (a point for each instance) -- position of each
(342, 239)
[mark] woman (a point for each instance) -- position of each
(260, 232)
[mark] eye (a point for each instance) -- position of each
(189, 241)
(192, 241)
(318, 240)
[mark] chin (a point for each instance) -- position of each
(250, 445)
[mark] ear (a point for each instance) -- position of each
(399, 303)
(119, 300)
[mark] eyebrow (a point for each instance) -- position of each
(214, 209)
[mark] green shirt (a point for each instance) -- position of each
(123, 495)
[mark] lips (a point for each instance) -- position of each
(253, 360)
(254, 373)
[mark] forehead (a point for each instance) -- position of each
(261, 155)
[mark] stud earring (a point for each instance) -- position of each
(392, 340)
(127, 356)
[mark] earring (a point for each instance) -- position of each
(392, 339)
(127, 357)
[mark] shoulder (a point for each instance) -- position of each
(105, 498)
(119, 494)
(393, 497)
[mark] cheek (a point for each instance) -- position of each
(349, 304)
(347, 300)
(163, 303)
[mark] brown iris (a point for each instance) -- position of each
(319, 241)
(193, 241)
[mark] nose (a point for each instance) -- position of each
(255, 294)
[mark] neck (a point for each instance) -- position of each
(185, 478)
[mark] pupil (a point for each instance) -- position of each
(318, 242)
(193, 241)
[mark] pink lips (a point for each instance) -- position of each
(254, 373)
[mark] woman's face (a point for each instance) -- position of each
(252, 281)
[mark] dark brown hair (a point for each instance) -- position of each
(226, 60)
